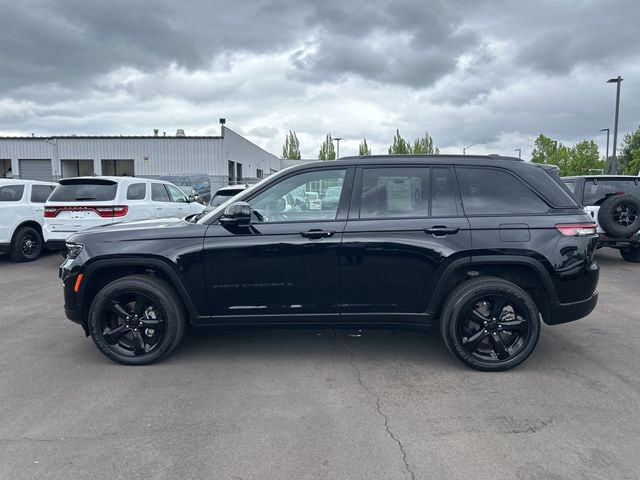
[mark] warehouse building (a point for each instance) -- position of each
(227, 159)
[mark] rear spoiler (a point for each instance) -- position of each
(86, 181)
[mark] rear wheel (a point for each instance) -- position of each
(490, 324)
(26, 245)
(136, 320)
(631, 254)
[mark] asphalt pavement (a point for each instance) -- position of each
(240, 403)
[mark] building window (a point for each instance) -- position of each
(76, 168)
(239, 175)
(259, 173)
(5, 168)
(118, 168)
(232, 172)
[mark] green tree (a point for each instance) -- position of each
(584, 158)
(327, 150)
(629, 154)
(424, 146)
(400, 145)
(550, 152)
(291, 148)
(364, 149)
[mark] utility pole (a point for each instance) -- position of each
(606, 153)
(337, 139)
(519, 150)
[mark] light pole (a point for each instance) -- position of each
(519, 150)
(337, 139)
(606, 153)
(464, 150)
(614, 155)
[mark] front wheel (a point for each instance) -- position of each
(490, 324)
(136, 320)
(631, 254)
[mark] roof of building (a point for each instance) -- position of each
(83, 137)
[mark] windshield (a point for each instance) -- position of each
(223, 196)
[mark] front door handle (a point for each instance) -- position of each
(441, 231)
(317, 233)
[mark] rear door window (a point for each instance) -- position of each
(40, 193)
(86, 191)
(159, 193)
(395, 192)
(490, 191)
(596, 192)
(137, 191)
(11, 193)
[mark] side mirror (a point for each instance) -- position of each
(237, 214)
(191, 198)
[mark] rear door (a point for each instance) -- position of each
(37, 198)
(405, 227)
(80, 203)
(161, 200)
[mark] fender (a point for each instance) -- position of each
(468, 263)
(165, 267)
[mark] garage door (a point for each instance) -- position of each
(35, 169)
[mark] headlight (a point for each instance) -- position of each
(74, 249)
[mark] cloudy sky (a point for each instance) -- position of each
(490, 72)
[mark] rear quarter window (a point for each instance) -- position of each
(137, 191)
(490, 191)
(84, 192)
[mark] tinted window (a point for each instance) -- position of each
(84, 191)
(137, 191)
(443, 193)
(40, 193)
(159, 193)
(493, 192)
(176, 194)
(395, 192)
(596, 193)
(11, 193)
(288, 200)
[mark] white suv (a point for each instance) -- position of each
(21, 207)
(84, 202)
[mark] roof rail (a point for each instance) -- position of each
(495, 156)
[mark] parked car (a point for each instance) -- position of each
(613, 202)
(84, 202)
(21, 217)
(484, 247)
(225, 193)
(199, 181)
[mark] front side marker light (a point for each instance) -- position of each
(79, 278)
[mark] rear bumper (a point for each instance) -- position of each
(55, 244)
(568, 312)
(5, 247)
(605, 240)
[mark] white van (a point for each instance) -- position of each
(21, 207)
(84, 202)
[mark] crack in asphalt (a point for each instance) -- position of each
(381, 413)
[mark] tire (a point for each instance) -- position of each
(26, 245)
(152, 335)
(631, 254)
(619, 215)
(483, 339)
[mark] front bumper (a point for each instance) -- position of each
(568, 312)
(5, 247)
(68, 273)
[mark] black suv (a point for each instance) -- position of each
(482, 246)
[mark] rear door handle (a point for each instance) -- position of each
(316, 233)
(441, 231)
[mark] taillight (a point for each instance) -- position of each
(577, 229)
(111, 212)
(50, 212)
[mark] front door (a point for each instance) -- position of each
(405, 226)
(285, 264)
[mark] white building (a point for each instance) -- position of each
(228, 158)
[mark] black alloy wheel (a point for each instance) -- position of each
(26, 245)
(625, 215)
(136, 320)
(132, 323)
(490, 324)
